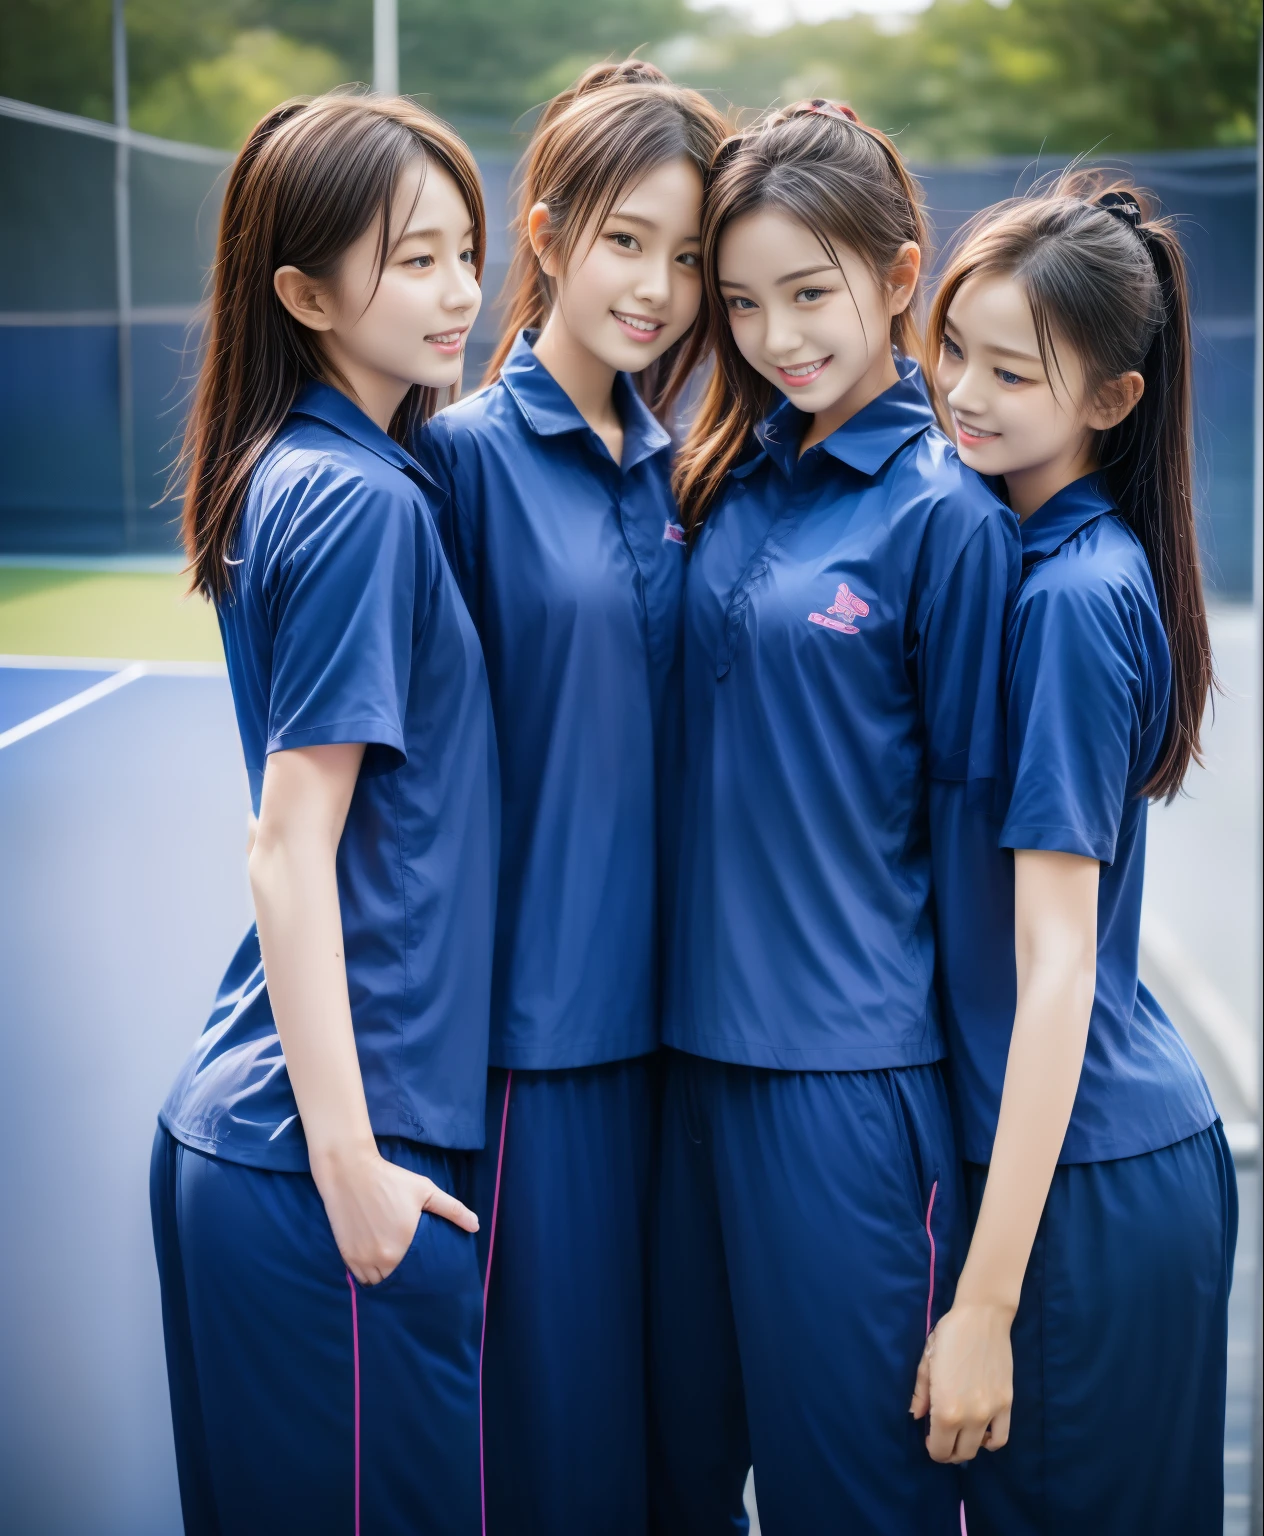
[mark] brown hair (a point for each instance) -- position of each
(310, 179)
(845, 182)
(1112, 286)
(594, 140)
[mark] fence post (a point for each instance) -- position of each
(123, 279)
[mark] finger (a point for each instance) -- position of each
(439, 1203)
(968, 1439)
(942, 1440)
(920, 1406)
(998, 1431)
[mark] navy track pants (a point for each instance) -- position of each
(808, 1233)
(1120, 1344)
(301, 1401)
(564, 1355)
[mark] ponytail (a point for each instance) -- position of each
(593, 142)
(1110, 281)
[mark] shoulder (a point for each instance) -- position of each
(313, 484)
(486, 414)
(1101, 573)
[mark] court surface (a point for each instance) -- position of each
(122, 895)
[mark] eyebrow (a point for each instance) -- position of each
(429, 234)
(790, 277)
(1026, 357)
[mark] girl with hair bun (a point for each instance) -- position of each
(1086, 1346)
(562, 529)
(844, 617)
(311, 1179)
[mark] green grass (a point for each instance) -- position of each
(132, 615)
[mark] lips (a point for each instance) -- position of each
(799, 374)
(638, 327)
(972, 437)
(449, 342)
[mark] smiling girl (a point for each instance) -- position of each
(563, 531)
(1094, 1295)
(844, 611)
(320, 1287)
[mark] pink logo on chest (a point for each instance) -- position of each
(840, 614)
(673, 533)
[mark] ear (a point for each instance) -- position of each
(305, 299)
(902, 278)
(1116, 400)
(540, 234)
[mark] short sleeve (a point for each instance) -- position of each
(961, 656)
(1074, 708)
(343, 605)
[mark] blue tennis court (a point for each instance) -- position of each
(122, 893)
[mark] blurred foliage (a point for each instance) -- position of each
(963, 79)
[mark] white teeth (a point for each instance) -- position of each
(447, 337)
(637, 325)
(801, 369)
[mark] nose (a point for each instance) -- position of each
(965, 395)
(782, 337)
(463, 292)
(653, 284)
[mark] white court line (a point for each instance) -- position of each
(75, 702)
(117, 664)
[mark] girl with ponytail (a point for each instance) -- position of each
(561, 527)
(1086, 1345)
(310, 1179)
(844, 620)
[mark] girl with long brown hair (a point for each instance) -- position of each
(1086, 1346)
(320, 1286)
(844, 616)
(563, 532)
(843, 619)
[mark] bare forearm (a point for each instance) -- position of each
(1056, 954)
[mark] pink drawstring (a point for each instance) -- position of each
(487, 1280)
(964, 1532)
(930, 1295)
(355, 1355)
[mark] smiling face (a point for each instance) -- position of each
(407, 324)
(819, 331)
(1036, 427)
(632, 286)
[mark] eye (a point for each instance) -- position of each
(951, 347)
(625, 242)
(421, 261)
(810, 295)
(742, 306)
(688, 259)
(1006, 377)
(468, 256)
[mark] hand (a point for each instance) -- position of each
(966, 1382)
(374, 1207)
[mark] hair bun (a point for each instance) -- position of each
(1122, 205)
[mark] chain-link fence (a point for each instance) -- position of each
(104, 247)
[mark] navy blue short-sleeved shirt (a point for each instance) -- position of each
(572, 567)
(844, 619)
(1087, 679)
(344, 624)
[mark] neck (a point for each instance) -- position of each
(876, 380)
(377, 394)
(1029, 489)
(587, 381)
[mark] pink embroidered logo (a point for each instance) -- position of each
(673, 533)
(847, 607)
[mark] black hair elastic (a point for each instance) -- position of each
(1121, 207)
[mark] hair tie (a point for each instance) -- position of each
(1122, 207)
(825, 108)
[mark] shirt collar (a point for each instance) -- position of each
(1063, 515)
(550, 411)
(867, 440)
(322, 402)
